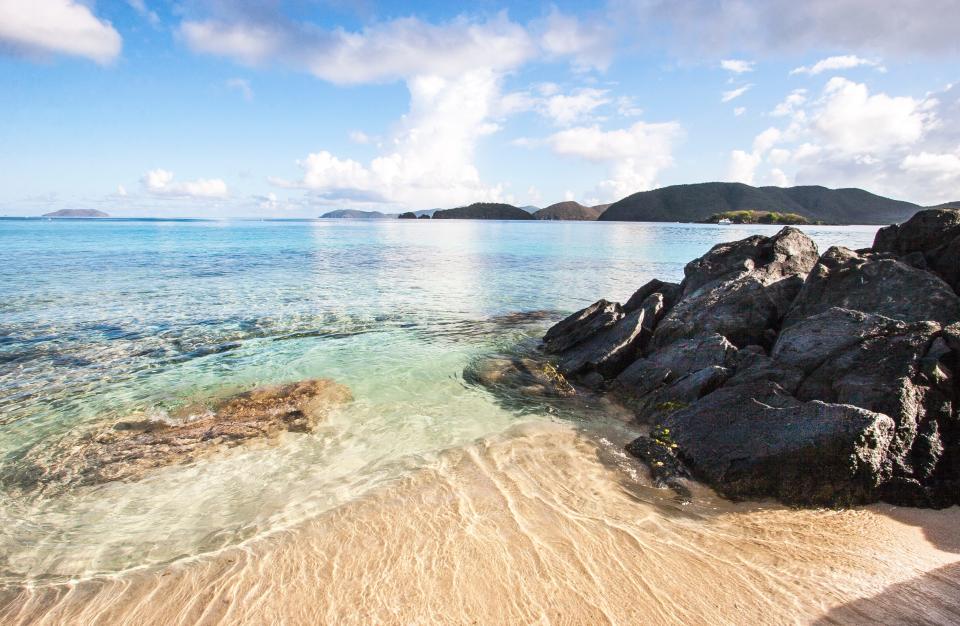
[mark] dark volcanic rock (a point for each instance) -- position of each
(657, 451)
(409, 215)
(598, 342)
(135, 446)
(740, 290)
(829, 380)
(756, 441)
(881, 365)
(874, 284)
(581, 325)
(932, 235)
(924, 232)
(670, 292)
(608, 351)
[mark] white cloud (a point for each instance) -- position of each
(360, 137)
(940, 167)
(779, 178)
(121, 191)
(431, 158)
(853, 121)
(849, 136)
(739, 111)
(743, 166)
(844, 62)
(636, 154)
(566, 109)
(243, 86)
(384, 52)
(779, 156)
(791, 103)
(734, 93)
(737, 66)
(627, 107)
(45, 27)
(588, 43)
(160, 182)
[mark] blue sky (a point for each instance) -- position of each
(290, 109)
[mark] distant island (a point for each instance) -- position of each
(484, 211)
(696, 203)
(571, 210)
(758, 217)
(354, 214)
(76, 213)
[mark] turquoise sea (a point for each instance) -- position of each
(103, 319)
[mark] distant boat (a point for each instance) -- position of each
(724, 221)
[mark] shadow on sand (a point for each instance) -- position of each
(933, 598)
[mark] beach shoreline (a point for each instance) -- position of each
(544, 523)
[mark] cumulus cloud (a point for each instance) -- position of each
(636, 154)
(942, 168)
(743, 166)
(159, 182)
(733, 94)
(852, 120)
(737, 66)
(48, 27)
(565, 109)
(847, 135)
(430, 162)
(844, 62)
(791, 104)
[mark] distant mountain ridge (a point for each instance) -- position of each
(76, 213)
(697, 202)
(483, 211)
(570, 210)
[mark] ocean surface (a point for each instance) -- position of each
(101, 320)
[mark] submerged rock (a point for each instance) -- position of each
(132, 447)
(529, 376)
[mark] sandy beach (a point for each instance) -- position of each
(543, 525)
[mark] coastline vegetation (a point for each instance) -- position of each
(760, 217)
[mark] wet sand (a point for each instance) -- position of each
(543, 525)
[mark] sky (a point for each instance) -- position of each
(272, 108)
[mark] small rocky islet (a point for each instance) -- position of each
(774, 371)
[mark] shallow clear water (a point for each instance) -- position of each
(103, 319)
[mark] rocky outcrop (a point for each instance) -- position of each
(740, 290)
(933, 235)
(409, 215)
(757, 439)
(779, 373)
(132, 447)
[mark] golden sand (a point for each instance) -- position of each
(543, 525)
